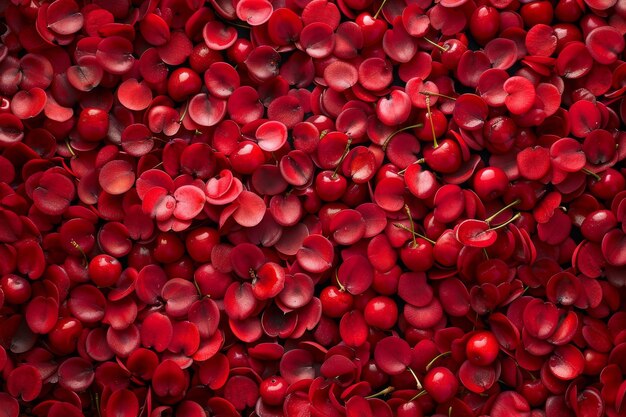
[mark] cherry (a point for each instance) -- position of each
(169, 248)
(202, 57)
(444, 157)
(607, 184)
(240, 50)
(200, 243)
(17, 290)
(330, 186)
(183, 83)
(441, 384)
(273, 390)
(373, 29)
(535, 13)
(568, 10)
(65, 335)
(482, 348)
(93, 124)
(381, 312)
(484, 23)
(247, 157)
(335, 302)
(490, 183)
(597, 224)
(534, 391)
(494, 271)
(104, 270)
(452, 55)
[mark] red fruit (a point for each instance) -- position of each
(441, 384)
(490, 183)
(335, 302)
(104, 270)
(381, 312)
(484, 23)
(482, 348)
(273, 390)
(183, 83)
(93, 124)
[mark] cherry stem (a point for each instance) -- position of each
(380, 9)
(503, 209)
(512, 219)
(195, 283)
(593, 174)
(381, 393)
(77, 246)
(182, 116)
(343, 156)
(339, 284)
(388, 138)
(419, 394)
(432, 125)
(97, 402)
(157, 165)
(436, 358)
(435, 44)
(430, 93)
(69, 148)
(417, 380)
(408, 213)
(403, 227)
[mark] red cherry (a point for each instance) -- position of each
(373, 29)
(183, 83)
(169, 248)
(610, 183)
(451, 57)
(247, 157)
(330, 186)
(65, 335)
(484, 23)
(93, 124)
(418, 257)
(17, 290)
(200, 243)
(240, 50)
(482, 348)
(441, 384)
(335, 302)
(104, 270)
(381, 312)
(445, 158)
(273, 390)
(490, 183)
(202, 57)
(538, 12)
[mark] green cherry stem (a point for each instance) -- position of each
(388, 138)
(419, 394)
(430, 93)
(432, 125)
(343, 156)
(381, 393)
(185, 110)
(436, 45)
(503, 209)
(436, 358)
(593, 174)
(380, 9)
(417, 380)
(403, 227)
(512, 219)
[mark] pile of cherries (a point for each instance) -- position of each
(312, 208)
